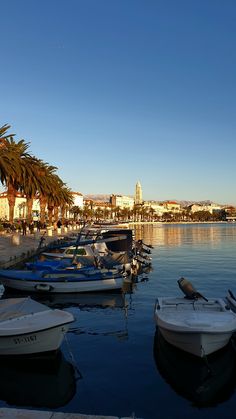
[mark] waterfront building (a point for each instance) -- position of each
(20, 208)
(122, 201)
(156, 206)
(211, 208)
(230, 212)
(138, 194)
(78, 199)
(172, 206)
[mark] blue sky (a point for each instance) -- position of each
(116, 91)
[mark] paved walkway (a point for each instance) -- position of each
(36, 414)
(15, 245)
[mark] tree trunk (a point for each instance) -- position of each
(63, 211)
(50, 213)
(43, 203)
(29, 209)
(11, 196)
(56, 212)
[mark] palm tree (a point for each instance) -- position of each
(76, 211)
(13, 169)
(3, 134)
(22, 207)
(21, 172)
(38, 184)
(66, 200)
(46, 184)
(59, 196)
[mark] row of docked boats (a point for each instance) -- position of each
(195, 324)
(94, 261)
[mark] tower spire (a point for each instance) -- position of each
(138, 193)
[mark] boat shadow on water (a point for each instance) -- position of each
(42, 382)
(205, 382)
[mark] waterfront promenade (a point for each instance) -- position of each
(6, 413)
(13, 246)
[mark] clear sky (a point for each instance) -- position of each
(116, 91)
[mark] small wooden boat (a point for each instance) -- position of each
(195, 324)
(28, 327)
(65, 281)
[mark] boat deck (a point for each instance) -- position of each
(168, 304)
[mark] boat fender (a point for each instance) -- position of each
(43, 287)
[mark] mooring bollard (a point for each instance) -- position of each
(49, 232)
(15, 239)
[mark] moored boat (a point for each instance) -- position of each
(65, 281)
(195, 325)
(28, 327)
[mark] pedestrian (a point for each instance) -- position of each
(24, 227)
(59, 224)
(38, 225)
(31, 227)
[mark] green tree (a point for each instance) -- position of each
(13, 173)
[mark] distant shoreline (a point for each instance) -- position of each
(178, 222)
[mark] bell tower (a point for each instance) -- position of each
(138, 193)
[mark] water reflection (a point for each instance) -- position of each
(82, 300)
(47, 383)
(180, 234)
(203, 383)
(104, 314)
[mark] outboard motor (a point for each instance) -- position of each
(189, 290)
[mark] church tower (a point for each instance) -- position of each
(138, 193)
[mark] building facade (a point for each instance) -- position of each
(211, 208)
(122, 201)
(20, 209)
(78, 199)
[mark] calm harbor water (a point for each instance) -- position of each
(112, 361)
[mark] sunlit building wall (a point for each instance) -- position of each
(122, 201)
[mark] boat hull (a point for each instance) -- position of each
(33, 343)
(63, 286)
(195, 326)
(199, 344)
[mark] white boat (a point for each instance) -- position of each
(29, 328)
(196, 325)
(63, 281)
(92, 253)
